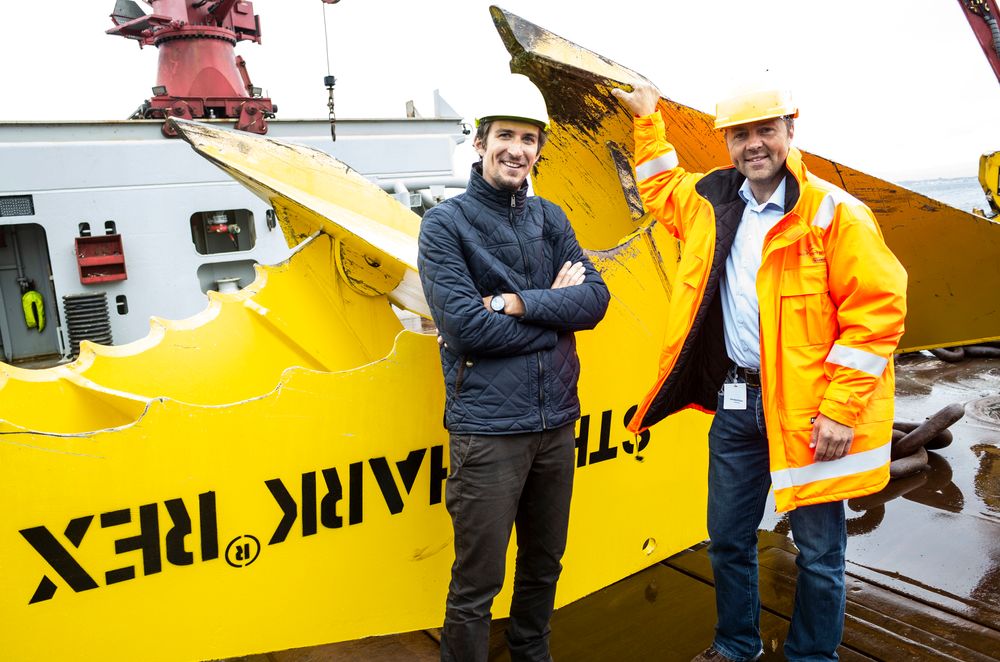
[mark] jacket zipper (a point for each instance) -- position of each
(772, 244)
(538, 356)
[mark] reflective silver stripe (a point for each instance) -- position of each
(845, 466)
(824, 215)
(660, 164)
(839, 195)
(852, 357)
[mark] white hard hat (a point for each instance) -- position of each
(516, 98)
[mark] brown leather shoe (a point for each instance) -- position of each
(710, 655)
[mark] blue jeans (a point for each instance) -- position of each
(496, 483)
(738, 483)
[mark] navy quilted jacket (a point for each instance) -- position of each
(505, 375)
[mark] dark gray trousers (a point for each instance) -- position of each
(496, 482)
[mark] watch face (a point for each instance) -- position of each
(497, 303)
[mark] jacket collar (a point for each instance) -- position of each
(483, 191)
(797, 169)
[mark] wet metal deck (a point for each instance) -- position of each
(923, 562)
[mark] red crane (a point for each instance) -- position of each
(984, 17)
(199, 73)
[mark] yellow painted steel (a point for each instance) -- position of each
(271, 491)
(949, 254)
(293, 314)
(269, 473)
(58, 401)
(170, 510)
(989, 179)
(311, 191)
(237, 348)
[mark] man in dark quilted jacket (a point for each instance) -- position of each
(508, 285)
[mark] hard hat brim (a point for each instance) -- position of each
(726, 122)
(517, 118)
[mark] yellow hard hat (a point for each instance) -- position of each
(518, 99)
(753, 107)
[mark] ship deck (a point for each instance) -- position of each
(923, 570)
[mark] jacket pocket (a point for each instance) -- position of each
(460, 374)
(798, 419)
(808, 316)
(796, 434)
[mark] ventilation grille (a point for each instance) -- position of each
(16, 205)
(87, 318)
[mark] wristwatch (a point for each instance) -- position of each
(497, 303)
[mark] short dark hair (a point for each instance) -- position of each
(483, 130)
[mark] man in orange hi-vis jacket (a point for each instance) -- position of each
(784, 317)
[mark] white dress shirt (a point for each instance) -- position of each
(740, 309)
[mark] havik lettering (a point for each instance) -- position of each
(604, 449)
(149, 541)
(327, 512)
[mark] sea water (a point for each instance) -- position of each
(965, 193)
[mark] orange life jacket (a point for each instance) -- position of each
(832, 304)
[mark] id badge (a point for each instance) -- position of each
(734, 396)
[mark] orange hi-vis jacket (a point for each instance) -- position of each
(832, 303)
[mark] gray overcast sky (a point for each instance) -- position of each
(896, 88)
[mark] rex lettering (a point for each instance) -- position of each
(149, 541)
